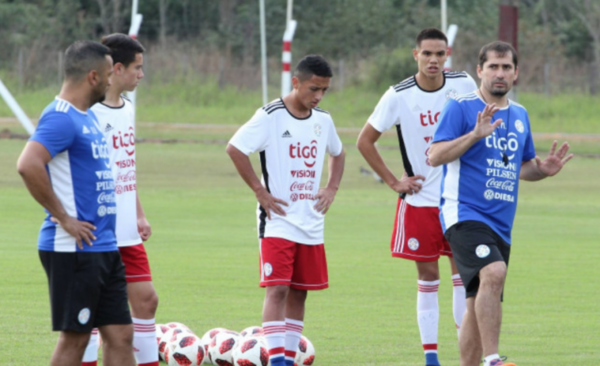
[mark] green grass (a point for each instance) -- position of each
(204, 260)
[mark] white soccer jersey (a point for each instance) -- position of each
(292, 152)
(415, 113)
(118, 125)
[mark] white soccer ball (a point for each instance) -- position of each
(177, 325)
(306, 352)
(220, 349)
(188, 351)
(252, 351)
(207, 338)
(253, 331)
(167, 341)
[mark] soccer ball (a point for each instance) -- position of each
(251, 352)
(177, 325)
(306, 352)
(207, 338)
(188, 351)
(160, 330)
(167, 341)
(253, 331)
(220, 350)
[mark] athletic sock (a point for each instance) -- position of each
(459, 301)
(275, 337)
(293, 332)
(90, 357)
(145, 347)
(487, 361)
(428, 317)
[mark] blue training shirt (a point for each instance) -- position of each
(80, 176)
(479, 186)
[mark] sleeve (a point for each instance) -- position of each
(253, 136)
(529, 148)
(334, 144)
(55, 131)
(385, 115)
(470, 85)
(452, 123)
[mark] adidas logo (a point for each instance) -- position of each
(108, 127)
(286, 134)
(85, 130)
(416, 108)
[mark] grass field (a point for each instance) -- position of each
(204, 259)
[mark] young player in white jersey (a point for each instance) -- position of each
(66, 168)
(293, 137)
(413, 107)
(116, 118)
(484, 141)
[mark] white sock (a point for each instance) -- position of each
(428, 314)
(90, 357)
(459, 303)
(490, 358)
(145, 347)
(293, 332)
(275, 337)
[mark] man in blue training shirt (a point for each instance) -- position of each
(65, 166)
(484, 142)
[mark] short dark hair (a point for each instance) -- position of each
(312, 65)
(81, 57)
(430, 33)
(501, 48)
(123, 47)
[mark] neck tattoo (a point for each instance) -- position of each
(504, 156)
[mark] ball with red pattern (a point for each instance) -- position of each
(220, 349)
(252, 351)
(188, 351)
(168, 340)
(253, 331)
(305, 356)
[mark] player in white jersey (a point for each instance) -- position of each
(117, 121)
(484, 141)
(413, 107)
(293, 137)
(65, 166)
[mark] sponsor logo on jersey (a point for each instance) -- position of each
(429, 119)
(451, 94)
(84, 316)
(505, 185)
(308, 153)
(125, 140)
(508, 144)
(119, 189)
(128, 177)
(105, 185)
(428, 139)
(108, 128)
(85, 130)
(106, 210)
(303, 173)
(318, 130)
(413, 244)
(519, 126)
(104, 174)
(482, 251)
(267, 269)
(302, 196)
(286, 134)
(107, 198)
(301, 186)
(125, 163)
(100, 151)
(491, 195)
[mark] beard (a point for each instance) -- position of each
(499, 92)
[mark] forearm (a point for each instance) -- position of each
(375, 161)
(531, 172)
(244, 168)
(444, 152)
(138, 206)
(336, 170)
(38, 183)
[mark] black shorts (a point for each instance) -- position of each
(474, 246)
(87, 290)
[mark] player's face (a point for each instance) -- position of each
(431, 56)
(311, 91)
(102, 81)
(132, 74)
(498, 73)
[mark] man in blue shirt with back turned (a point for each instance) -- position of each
(484, 142)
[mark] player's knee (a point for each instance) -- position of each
(276, 294)
(493, 275)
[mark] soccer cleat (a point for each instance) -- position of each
(499, 362)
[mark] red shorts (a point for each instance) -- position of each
(137, 268)
(418, 233)
(300, 266)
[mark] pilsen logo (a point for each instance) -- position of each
(308, 153)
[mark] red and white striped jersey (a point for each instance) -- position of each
(415, 113)
(292, 152)
(118, 126)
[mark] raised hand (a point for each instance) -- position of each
(484, 127)
(555, 160)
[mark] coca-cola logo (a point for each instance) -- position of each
(128, 177)
(308, 153)
(107, 198)
(505, 185)
(125, 140)
(302, 186)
